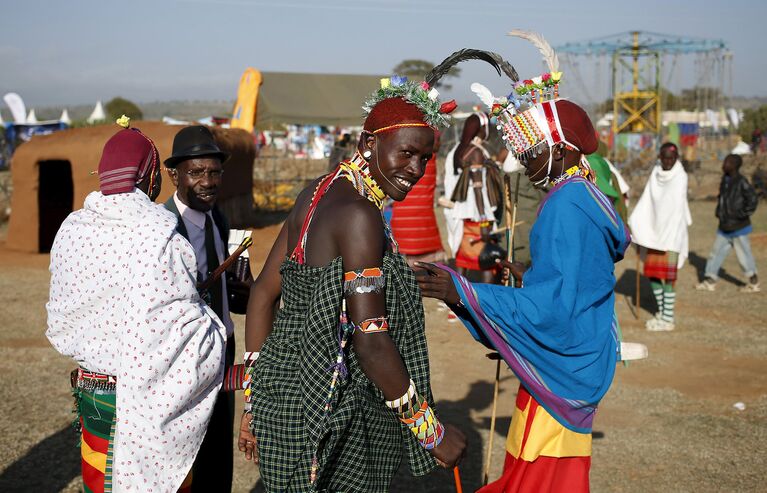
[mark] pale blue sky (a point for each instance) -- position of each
(78, 51)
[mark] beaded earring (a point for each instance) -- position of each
(367, 154)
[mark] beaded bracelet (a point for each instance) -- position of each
(249, 361)
(402, 404)
(416, 414)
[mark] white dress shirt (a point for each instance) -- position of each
(194, 221)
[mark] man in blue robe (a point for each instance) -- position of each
(558, 332)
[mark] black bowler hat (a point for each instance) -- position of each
(193, 142)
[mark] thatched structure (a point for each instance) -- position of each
(52, 175)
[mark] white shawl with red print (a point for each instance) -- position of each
(123, 302)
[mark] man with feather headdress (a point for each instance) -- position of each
(558, 332)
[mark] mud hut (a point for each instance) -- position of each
(52, 175)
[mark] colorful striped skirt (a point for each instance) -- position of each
(97, 421)
(541, 454)
(661, 265)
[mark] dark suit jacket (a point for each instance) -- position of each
(221, 223)
(237, 303)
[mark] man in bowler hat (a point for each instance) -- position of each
(196, 169)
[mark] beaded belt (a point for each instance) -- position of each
(91, 380)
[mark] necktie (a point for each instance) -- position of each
(216, 301)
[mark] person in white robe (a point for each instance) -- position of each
(124, 305)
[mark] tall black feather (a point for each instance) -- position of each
(494, 59)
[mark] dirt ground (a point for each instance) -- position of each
(667, 425)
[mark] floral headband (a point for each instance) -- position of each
(425, 98)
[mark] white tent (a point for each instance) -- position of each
(98, 114)
(31, 117)
(64, 118)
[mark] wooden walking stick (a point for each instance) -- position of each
(510, 215)
(207, 283)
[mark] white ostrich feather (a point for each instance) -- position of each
(483, 93)
(549, 55)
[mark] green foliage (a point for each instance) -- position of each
(416, 71)
(118, 107)
(697, 98)
(412, 92)
(753, 118)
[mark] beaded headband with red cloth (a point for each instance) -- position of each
(401, 103)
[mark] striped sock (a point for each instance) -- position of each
(657, 291)
(669, 298)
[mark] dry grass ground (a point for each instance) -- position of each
(667, 424)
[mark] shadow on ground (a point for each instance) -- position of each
(48, 466)
(459, 414)
(700, 267)
(626, 288)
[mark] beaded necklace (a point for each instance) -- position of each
(357, 171)
(569, 173)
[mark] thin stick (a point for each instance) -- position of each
(207, 283)
(511, 222)
(636, 297)
(492, 421)
(457, 476)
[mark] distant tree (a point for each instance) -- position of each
(117, 107)
(753, 118)
(417, 70)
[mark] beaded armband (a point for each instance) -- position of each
(249, 362)
(362, 281)
(416, 414)
(373, 325)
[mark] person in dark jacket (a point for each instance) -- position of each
(196, 169)
(737, 202)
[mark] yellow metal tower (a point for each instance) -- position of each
(636, 89)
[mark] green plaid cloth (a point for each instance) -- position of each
(360, 445)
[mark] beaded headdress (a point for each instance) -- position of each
(531, 117)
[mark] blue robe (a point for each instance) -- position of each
(558, 333)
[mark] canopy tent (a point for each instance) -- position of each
(52, 175)
(318, 99)
(97, 114)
